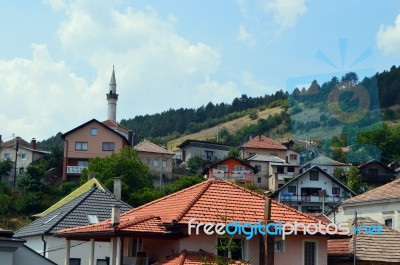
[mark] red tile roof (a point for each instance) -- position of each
(388, 191)
(147, 146)
(110, 123)
(383, 247)
(263, 142)
(206, 202)
(200, 257)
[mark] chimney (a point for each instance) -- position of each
(259, 137)
(115, 215)
(33, 143)
(130, 138)
(117, 187)
(1, 141)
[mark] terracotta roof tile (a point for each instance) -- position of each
(110, 123)
(147, 146)
(206, 202)
(263, 142)
(388, 191)
(370, 247)
(191, 258)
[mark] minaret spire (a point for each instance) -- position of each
(112, 98)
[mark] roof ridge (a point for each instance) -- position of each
(136, 220)
(183, 259)
(72, 208)
(191, 203)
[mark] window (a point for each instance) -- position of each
(101, 262)
(6, 156)
(223, 168)
(236, 253)
(93, 131)
(280, 169)
(335, 190)
(279, 245)
(148, 162)
(92, 219)
(290, 169)
(314, 175)
(74, 261)
(258, 168)
(293, 157)
(24, 157)
(84, 164)
(310, 253)
(258, 180)
(164, 163)
(108, 146)
(292, 190)
(21, 170)
(389, 222)
(155, 163)
(209, 154)
(81, 146)
(311, 209)
(240, 168)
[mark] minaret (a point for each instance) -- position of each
(112, 98)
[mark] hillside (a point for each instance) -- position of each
(232, 127)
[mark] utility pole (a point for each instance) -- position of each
(355, 238)
(16, 158)
(269, 248)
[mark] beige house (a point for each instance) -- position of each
(21, 153)
(157, 158)
(262, 145)
(89, 140)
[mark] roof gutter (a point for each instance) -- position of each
(44, 245)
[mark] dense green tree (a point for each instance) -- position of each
(354, 181)
(233, 152)
(5, 166)
(134, 174)
(195, 164)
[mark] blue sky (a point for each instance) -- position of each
(56, 56)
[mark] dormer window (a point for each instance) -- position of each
(93, 131)
(93, 219)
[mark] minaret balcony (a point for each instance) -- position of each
(112, 96)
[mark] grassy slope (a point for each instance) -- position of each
(231, 126)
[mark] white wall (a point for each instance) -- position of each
(56, 249)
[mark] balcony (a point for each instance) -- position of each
(75, 169)
(285, 176)
(237, 175)
(311, 198)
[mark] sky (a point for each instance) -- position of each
(56, 56)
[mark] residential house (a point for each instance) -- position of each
(376, 173)
(208, 151)
(262, 145)
(22, 154)
(307, 148)
(14, 252)
(95, 139)
(90, 207)
(272, 172)
(159, 231)
(89, 140)
(371, 249)
(234, 169)
(381, 204)
(313, 191)
(157, 158)
(325, 163)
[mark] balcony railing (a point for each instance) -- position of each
(311, 198)
(75, 169)
(239, 175)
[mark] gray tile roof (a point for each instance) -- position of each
(74, 213)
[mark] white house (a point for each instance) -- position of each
(313, 191)
(381, 204)
(208, 151)
(90, 207)
(325, 163)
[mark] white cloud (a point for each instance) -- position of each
(287, 12)
(243, 7)
(43, 96)
(388, 38)
(255, 86)
(156, 69)
(245, 37)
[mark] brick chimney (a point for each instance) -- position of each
(33, 143)
(117, 187)
(115, 215)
